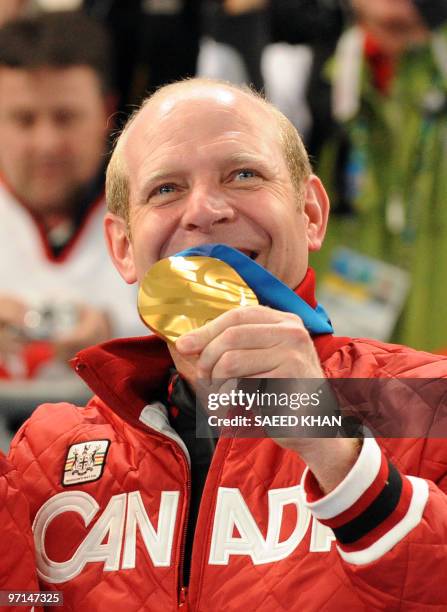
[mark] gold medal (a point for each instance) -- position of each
(180, 294)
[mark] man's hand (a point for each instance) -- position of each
(92, 327)
(259, 342)
(252, 342)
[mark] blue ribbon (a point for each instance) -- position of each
(269, 290)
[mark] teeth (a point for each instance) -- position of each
(252, 254)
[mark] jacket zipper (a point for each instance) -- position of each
(183, 595)
(220, 453)
(182, 589)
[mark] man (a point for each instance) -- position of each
(383, 159)
(227, 529)
(58, 291)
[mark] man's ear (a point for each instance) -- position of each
(119, 246)
(316, 211)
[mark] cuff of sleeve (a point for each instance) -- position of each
(357, 482)
(372, 509)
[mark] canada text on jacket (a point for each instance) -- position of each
(125, 513)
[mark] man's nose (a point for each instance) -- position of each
(205, 209)
(47, 137)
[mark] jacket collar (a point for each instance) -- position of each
(130, 373)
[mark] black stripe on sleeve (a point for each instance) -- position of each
(379, 510)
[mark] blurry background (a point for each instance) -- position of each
(365, 83)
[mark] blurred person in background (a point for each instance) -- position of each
(384, 157)
(154, 42)
(312, 28)
(58, 291)
(237, 33)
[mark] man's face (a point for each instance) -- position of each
(208, 168)
(393, 15)
(52, 133)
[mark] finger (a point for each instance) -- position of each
(245, 364)
(195, 341)
(251, 336)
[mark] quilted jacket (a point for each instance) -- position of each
(109, 486)
(17, 566)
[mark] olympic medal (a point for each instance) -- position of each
(180, 294)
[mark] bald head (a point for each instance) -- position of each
(190, 96)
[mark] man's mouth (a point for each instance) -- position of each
(252, 254)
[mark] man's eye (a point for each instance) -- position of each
(24, 120)
(64, 118)
(245, 173)
(163, 189)
(163, 194)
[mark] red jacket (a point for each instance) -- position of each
(17, 565)
(109, 484)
